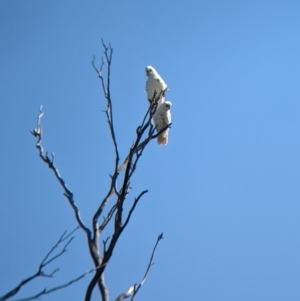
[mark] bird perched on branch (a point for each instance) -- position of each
(161, 119)
(155, 83)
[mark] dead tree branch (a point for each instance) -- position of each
(37, 132)
(46, 261)
(151, 263)
(133, 290)
(51, 290)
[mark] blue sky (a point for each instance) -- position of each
(225, 190)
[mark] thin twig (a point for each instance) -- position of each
(108, 218)
(133, 207)
(104, 243)
(43, 264)
(56, 288)
(137, 287)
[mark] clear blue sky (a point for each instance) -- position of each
(225, 190)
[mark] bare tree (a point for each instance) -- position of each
(112, 203)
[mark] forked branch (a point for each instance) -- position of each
(133, 290)
(37, 132)
(41, 273)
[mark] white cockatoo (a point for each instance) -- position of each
(155, 83)
(161, 119)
